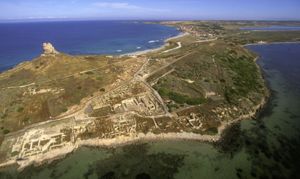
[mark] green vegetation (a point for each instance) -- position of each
(102, 90)
(179, 98)
(211, 131)
(214, 68)
(6, 131)
(20, 109)
(245, 76)
(89, 73)
(14, 153)
(220, 74)
(257, 36)
(26, 120)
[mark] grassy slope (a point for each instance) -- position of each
(223, 66)
(64, 75)
(233, 74)
(225, 69)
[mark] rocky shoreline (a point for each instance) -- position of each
(127, 140)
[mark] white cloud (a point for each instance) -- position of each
(122, 5)
(116, 5)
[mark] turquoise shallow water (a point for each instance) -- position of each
(268, 147)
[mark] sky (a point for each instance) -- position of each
(150, 9)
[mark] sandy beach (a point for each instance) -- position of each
(143, 52)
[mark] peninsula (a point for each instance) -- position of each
(191, 88)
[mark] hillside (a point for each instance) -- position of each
(48, 86)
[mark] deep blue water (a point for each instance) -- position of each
(22, 41)
(273, 28)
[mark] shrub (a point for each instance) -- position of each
(6, 131)
(179, 98)
(20, 109)
(211, 131)
(195, 101)
(102, 89)
(89, 73)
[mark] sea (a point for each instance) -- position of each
(23, 41)
(265, 147)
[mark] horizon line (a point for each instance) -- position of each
(137, 19)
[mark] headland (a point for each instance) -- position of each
(190, 89)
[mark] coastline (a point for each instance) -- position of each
(143, 52)
(61, 153)
(122, 140)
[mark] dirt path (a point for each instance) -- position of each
(175, 48)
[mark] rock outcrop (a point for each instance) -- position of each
(49, 49)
